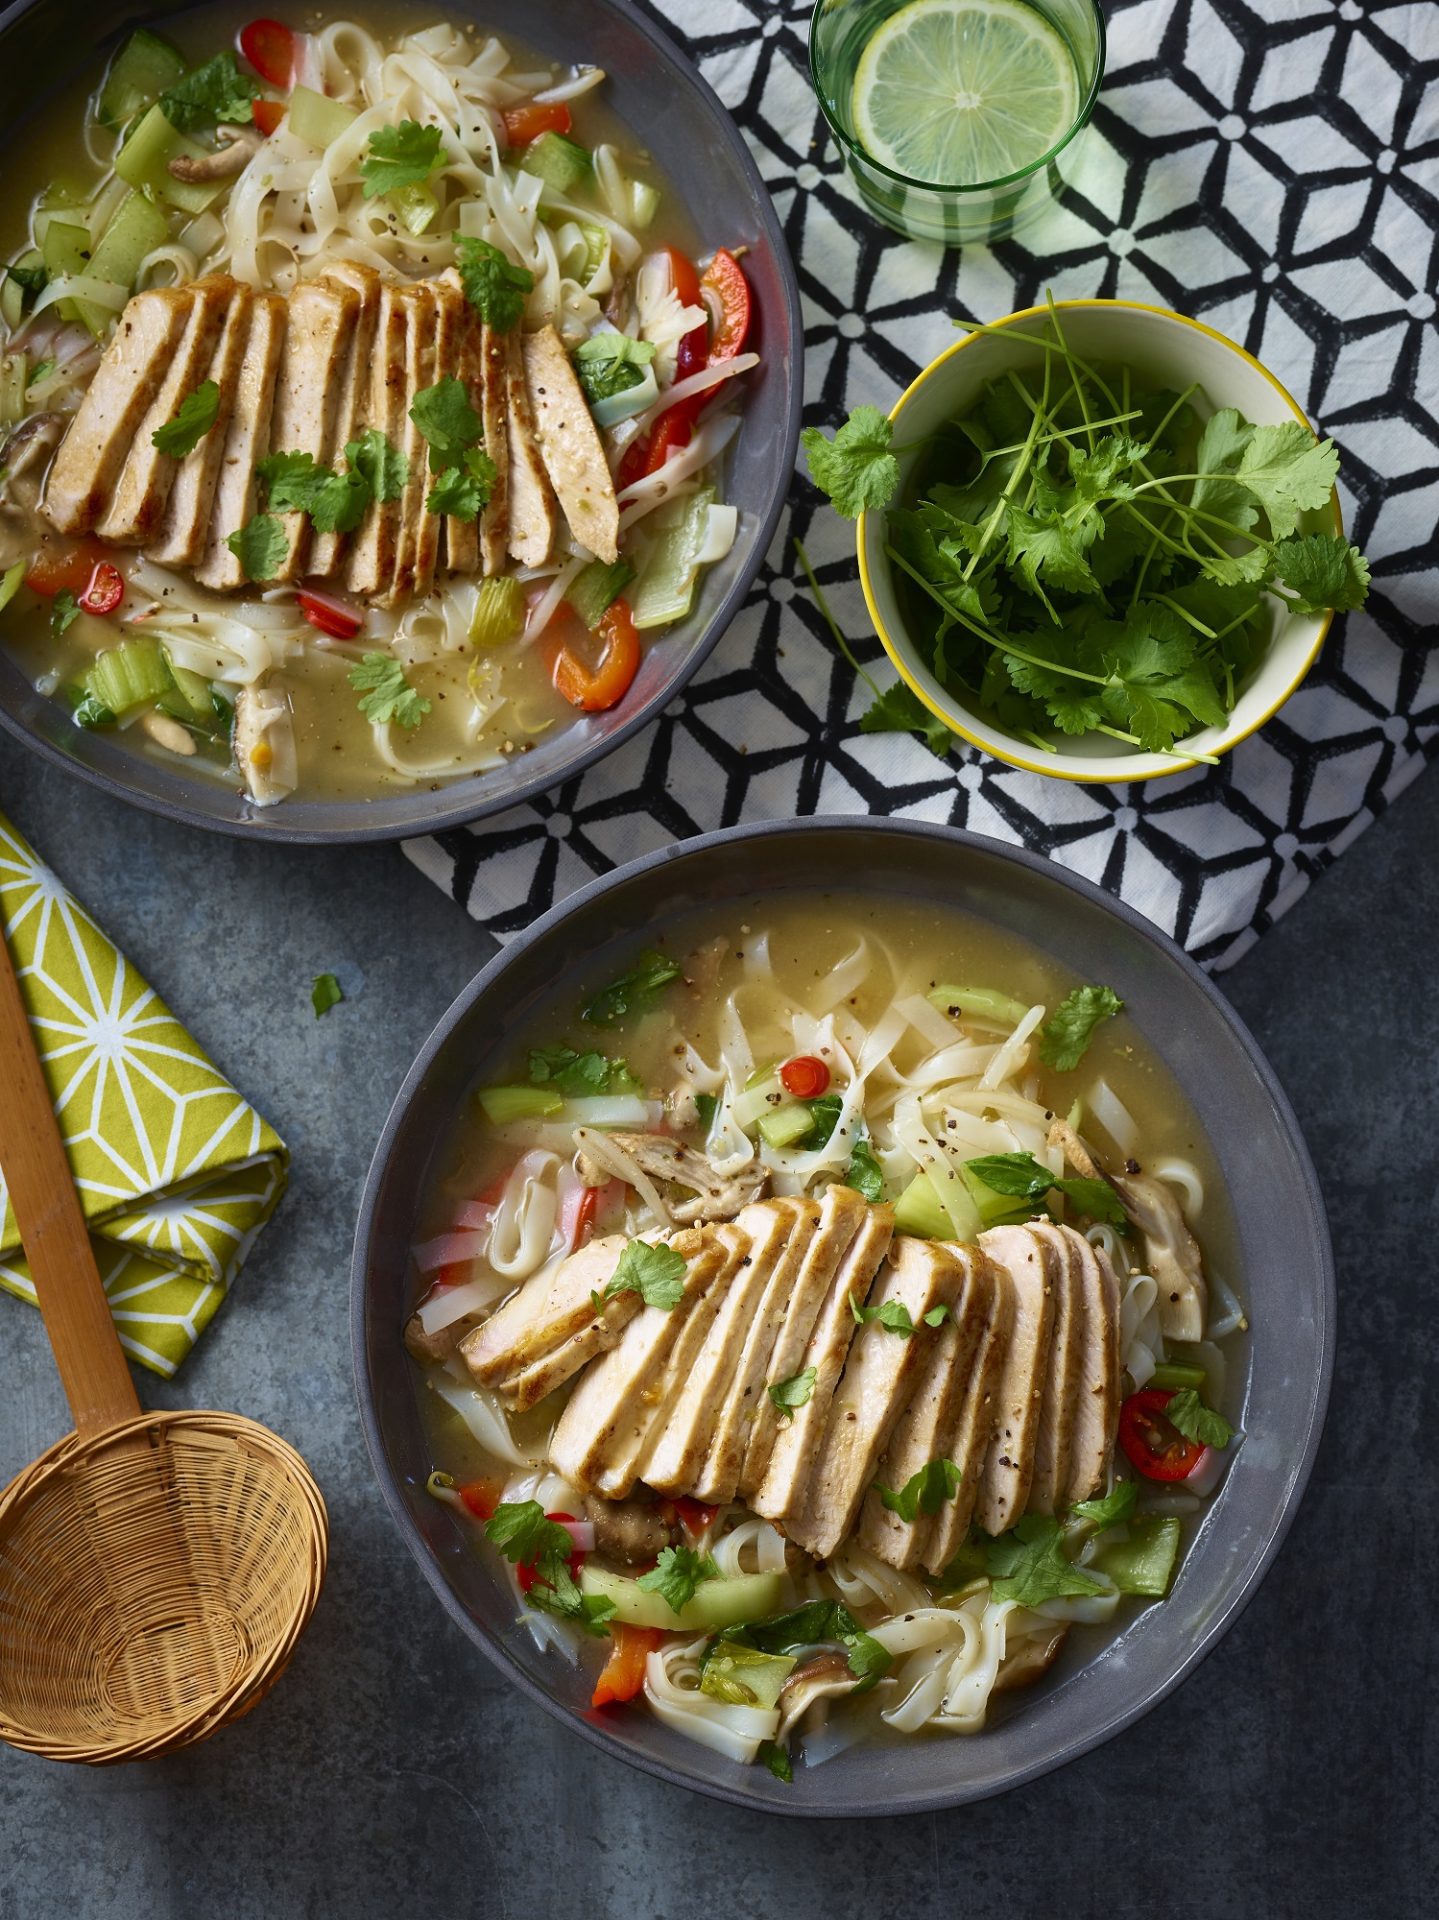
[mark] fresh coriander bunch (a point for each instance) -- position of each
(1082, 549)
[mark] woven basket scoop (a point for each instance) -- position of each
(156, 1569)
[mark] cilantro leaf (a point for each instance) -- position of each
(259, 546)
(493, 284)
(64, 608)
(446, 419)
(194, 418)
(812, 1626)
(633, 991)
(402, 156)
(865, 1174)
(463, 490)
(297, 483)
(1021, 1176)
(30, 281)
(924, 1492)
(900, 710)
(1187, 1413)
(388, 695)
(1324, 570)
(777, 1759)
(41, 370)
(580, 1075)
(1028, 1564)
(1064, 1038)
(1289, 472)
(555, 1590)
(383, 468)
(794, 1392)
(325, 993)
(1222, 445)
(936, 1316)
(655, 1273)
(217, 91)
(525, 1535)
(677, 1574)
(1112, 1507)
(1047, 550)
(826, 1109)
(855, 468)
(892, 1315)
(85, 709)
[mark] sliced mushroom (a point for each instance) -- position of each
(684, 1105)
(826, 1677)
(238, 145)
(431, 1348)
(635, 1531)
(1171, 1254)
(24, 461)
(644, 1158)
(1029, 1660)
(168, 733)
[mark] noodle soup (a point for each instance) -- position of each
(365, 397)
(811, 1326)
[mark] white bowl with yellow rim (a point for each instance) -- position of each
(1175, 352)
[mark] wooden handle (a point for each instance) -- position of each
(52, 1228)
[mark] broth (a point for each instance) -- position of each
(769, 957)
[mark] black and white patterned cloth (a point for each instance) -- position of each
(1269, 166)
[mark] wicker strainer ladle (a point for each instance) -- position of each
(156, 1569)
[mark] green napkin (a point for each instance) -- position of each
(176, 1172)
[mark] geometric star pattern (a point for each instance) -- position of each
(176, 1173)
(1268, 166)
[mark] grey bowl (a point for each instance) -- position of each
(1281, 1262)
(653, 88)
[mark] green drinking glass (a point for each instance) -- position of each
(956, 117)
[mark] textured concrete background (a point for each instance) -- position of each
(394, 1772)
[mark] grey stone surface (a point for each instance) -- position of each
(394, 1771)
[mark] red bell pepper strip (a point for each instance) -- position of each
(724, 280)
(596, 689)
(694, 1516)
(1151, 1445)
(267, 114)
(61, 567)
(623, 1676)
(106, 589)
(330, 615)
(585, 1218)
(527, 123)
(269, 46)
(481, 1497)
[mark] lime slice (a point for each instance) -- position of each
(959, 92)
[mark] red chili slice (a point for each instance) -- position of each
(332, 616)
(105, 591)
(269, 46)
(723, 279)
(1151, 1445)
(523, 124)
(805, 1077)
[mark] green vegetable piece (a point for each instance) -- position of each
(133, 674)
(86, 710)
(499, 614)
(41, 370)
(402, 156)
(494, 286)
(855, 468)
(64, 610)
(502, 1106)
(596, 587)
(1187, 1413)
(670, 571)
(717, 1604)
(610, 363)
(260, 546)
(24, 278)
(1064, 1038)
(935, 1484)
(984, 1003)
(324, 994)
(139, 73)
(1028, 1565)
(777, 1759)
(580, 1075)
(742, 1676)
(677, 1576)
(1144, 1563)
(194, 418)
(66, 250)
(218, 91)
(787, 1125)
(563, 164)
(1172, 1373)
(11, 582)
(316, 119)
(813, 1625)
(415, 207)
(1020, 1176)
(196, 702)
(655, 1273)
(386, 694)
(633, 992)
(789, 1395)
(134, 230)
(919, 1211)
